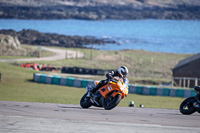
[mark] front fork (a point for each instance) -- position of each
(91, 96)
(93, 100)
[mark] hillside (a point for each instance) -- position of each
(100, 9)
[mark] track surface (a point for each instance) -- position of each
(23, 117)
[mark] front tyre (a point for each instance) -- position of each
(111, 102)
(187, 107)
(85, 102)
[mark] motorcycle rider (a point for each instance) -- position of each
(121, 73)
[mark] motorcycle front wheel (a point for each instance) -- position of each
(111, 102)
(85, 102)
(187, 107)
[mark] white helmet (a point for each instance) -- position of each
(123, 71)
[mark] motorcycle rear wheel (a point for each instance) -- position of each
(187, 107)
(111, 102)
(84, 102)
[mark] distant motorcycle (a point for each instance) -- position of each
(108, 96)
(191, 104)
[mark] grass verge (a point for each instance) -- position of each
(17, 85)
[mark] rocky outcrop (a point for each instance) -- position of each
(9, 42)
(33, 37)
(100, 9)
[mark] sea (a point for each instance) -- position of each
(169, 36)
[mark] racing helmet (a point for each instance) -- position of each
(123, 71)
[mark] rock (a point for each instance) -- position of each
(18, 44)
(33, 37)
(9, 41)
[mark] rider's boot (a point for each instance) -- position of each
(94, 89)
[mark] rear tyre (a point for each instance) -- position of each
(187, 107)
(85, 102)
(111, 102)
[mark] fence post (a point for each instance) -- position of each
(141, 61)
(183, 82)
(39, 53)
(196, 81)
(66, 55)
(172, 82)
(1, 50)
(180, 81)
(152, 60)
(188, 82)
(91, 52)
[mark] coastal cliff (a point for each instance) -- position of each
(100, 9)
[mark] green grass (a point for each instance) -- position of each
(144, 67)
(13, 57)
(17, 85)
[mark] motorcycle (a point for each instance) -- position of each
(191, 104)
(108, 96)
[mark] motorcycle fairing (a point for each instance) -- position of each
(115, 88)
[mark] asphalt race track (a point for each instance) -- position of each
(24, 117)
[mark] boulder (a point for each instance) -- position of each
(9, 41)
